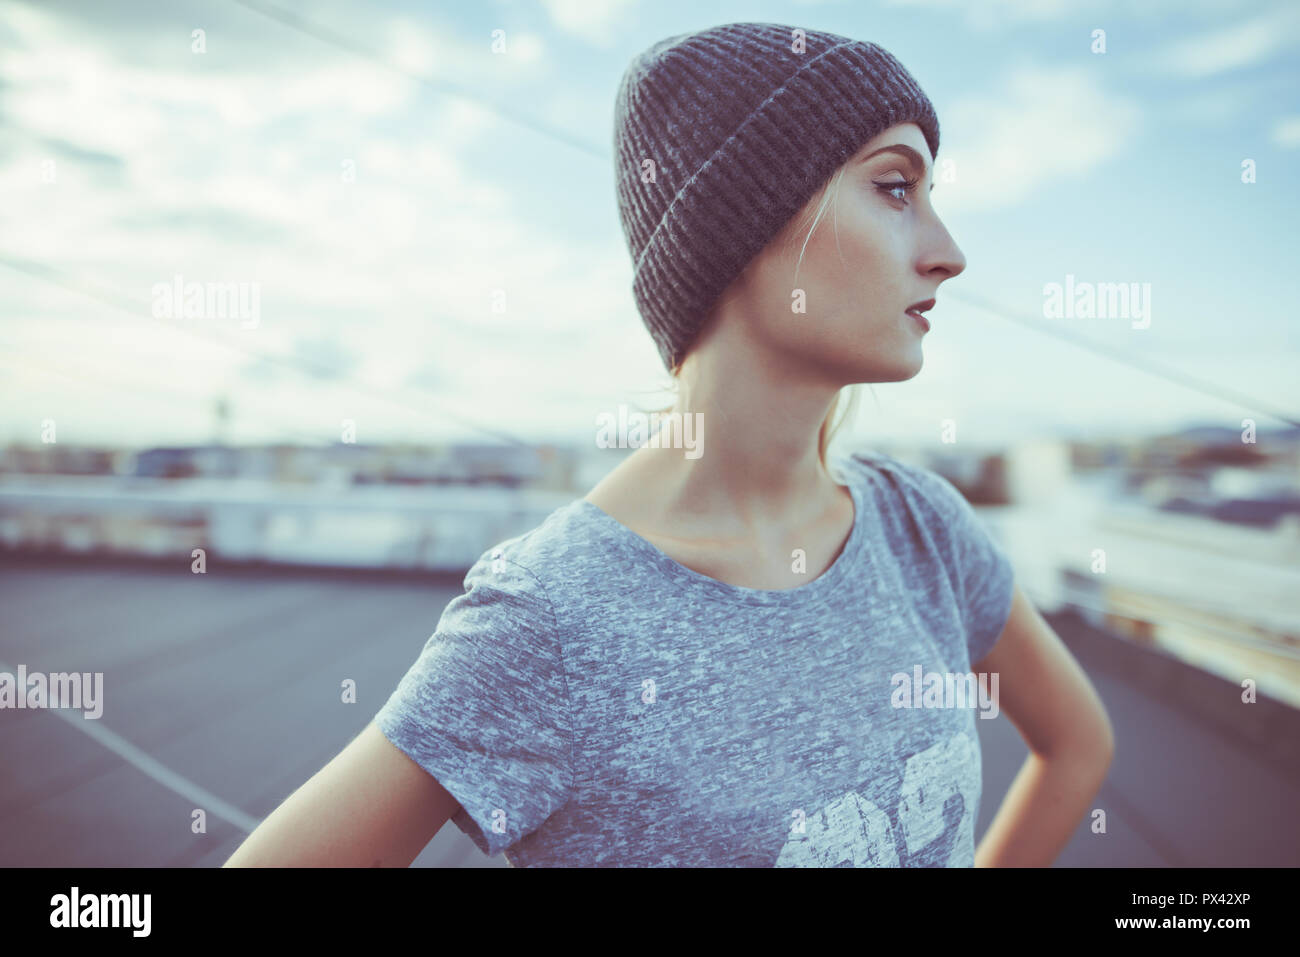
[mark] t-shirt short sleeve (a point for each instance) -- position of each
(983, 575)
(485, 707)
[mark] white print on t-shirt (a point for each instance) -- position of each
(935, 802)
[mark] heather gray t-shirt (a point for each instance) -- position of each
(590, 701)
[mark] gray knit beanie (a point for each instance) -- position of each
(722, 135)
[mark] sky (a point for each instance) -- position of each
(431, 227)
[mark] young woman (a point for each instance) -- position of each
(730, 658)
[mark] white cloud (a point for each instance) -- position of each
(593, 22)
(1286, 132)
(415, 49)
(235, 176)
(984, 15)
(524, 48)
(1231, 47)
(1042, 126)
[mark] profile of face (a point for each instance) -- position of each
(878, 249)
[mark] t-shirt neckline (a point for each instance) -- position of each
(689, 578)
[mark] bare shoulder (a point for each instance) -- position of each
(625, 494)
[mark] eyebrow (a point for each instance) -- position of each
(909, 154)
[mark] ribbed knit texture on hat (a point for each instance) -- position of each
(742, 131)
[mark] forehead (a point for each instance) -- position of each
(907, 137)
(908, 133)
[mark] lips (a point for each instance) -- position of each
(917, 308)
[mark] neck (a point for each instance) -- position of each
(759, 463)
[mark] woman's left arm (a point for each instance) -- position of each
(1054, 706)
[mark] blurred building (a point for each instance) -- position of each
(1186, 543)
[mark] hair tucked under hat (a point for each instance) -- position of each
(741, 124)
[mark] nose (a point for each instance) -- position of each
(942, 258)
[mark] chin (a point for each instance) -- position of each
(912, 369)
(898, 371)
(850, 368)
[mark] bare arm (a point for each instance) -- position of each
(1049, 699)
(371, 806)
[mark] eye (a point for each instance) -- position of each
(906, 185)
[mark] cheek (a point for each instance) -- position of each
(848, 277)
(842, 275)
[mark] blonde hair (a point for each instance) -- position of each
(842, 407)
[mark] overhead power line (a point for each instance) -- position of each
(343, 42)
(1211, 389)
(139, 309)
(334, 38)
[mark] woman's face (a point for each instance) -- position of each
(878, 249)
